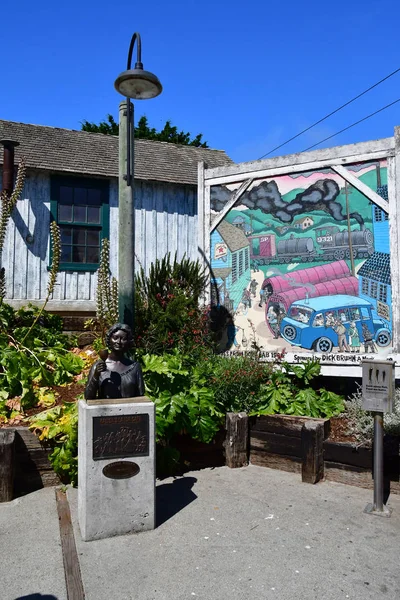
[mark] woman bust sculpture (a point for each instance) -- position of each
(115, 375)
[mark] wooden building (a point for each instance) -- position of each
(72, 177)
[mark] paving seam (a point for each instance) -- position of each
(72, 570)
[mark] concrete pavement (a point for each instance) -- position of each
(222, 533)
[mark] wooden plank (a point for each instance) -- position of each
(231, 203)
(351, 153)
(203, 229)
(207, 241)
(7, 454)
(285, 424)
(361, 187)
(237, 439)
(349, 476)
(293, 168)
(60, 305)
(348, 454)
(312, 451)
(275, 461)
(72, 571)
(394, 236)
(275, 443)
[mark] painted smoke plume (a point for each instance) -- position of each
(266, 197)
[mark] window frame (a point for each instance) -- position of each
(103, 185)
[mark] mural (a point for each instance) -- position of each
(302, 262)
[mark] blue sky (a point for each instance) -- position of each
(248, 75)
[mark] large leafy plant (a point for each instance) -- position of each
(58, 428)
(35, 356)
(288, 391)
(184, 402)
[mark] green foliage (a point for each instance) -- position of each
(108, 127)
(107, 291)
(167, 312)
(169, 133)
(361, 422)
(237, 380)
(288, 392)
(34, 357)
(8, 203)
(184, 402)
(55, 235)
(58, 428)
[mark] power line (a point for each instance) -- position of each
(332, 113)
(352, 125)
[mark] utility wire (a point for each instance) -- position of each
(352, 125)
(332, 113)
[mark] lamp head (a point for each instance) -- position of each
(138, 84)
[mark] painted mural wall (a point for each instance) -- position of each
(302, 263)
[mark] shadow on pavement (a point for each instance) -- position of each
(37, 597)
(173, 497)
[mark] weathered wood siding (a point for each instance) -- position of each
(166, 221)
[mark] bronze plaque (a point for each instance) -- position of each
(120, 436)
(122, 469)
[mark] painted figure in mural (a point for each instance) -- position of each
(253, 287)
(369, 345)
(341, 331)
(115, 375)
(273, 320)
(228, 303)
(254, 266)
(354, 337)
(246, 300)
(263, 296)
(281, 316)
(232, 330)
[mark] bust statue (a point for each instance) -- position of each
(115, 375)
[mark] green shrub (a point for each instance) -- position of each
(167, 309)
(361, 422)
(236, 380)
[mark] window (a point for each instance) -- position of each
(382, 295)
(246, 259)
(354, 314)
(374, 289)
(377, 213)
(365, 313)
(365, 286)
(240, 262)
(343, 315)
(234, 267)
(80, 208)
(318, 320)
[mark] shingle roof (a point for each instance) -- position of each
(377, 267)
(56, 149)
(233, 236)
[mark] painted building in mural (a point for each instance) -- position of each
(230, 265)
(319, 272)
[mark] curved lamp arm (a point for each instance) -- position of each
(139, 64)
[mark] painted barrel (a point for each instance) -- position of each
(295, 246)
(345, 285)
(282, 283)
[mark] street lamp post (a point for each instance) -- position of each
(140, 85)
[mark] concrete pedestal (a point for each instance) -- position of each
(116, 467)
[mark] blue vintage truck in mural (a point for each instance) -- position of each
(340, 321)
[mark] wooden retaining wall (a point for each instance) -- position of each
(289, 443)
(29, 468)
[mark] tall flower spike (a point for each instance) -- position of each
(55, 263)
